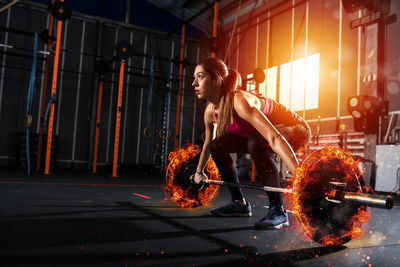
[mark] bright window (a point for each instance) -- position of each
(299, 82)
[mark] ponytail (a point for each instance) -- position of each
(230, 85)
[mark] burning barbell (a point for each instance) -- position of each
(328, 196)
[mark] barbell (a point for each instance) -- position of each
(328, 195)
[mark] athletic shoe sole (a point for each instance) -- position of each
(216, 213)
(271, 227)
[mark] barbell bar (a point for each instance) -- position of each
(361, 199)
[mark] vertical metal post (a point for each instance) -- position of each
(306, 69)
(257, 37)
(167, 104)
(3, 63)
(253, 172)
(126, 105)
(44, 93)
(110, 106)
(98, 117)
(381, 47)
(268, 40)
(237, 48)
(182, 104)
(178, 102)
(195, 103)
(215, 25)
(291, 56)
(93, 107)
(359, 32)
(127, 11)
(339, 59)
(257, 90)
(139, 133)
(53, 90)
(61, 78)
(118, 120)
(78, 90)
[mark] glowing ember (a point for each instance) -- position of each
(182, 164)
(328, 223)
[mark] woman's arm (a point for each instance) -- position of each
(205, 152)
(250, 111)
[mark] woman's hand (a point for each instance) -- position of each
(197, 178)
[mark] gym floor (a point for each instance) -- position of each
(76, 219)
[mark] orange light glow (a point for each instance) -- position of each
(185, 197)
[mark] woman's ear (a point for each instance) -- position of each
(217, 83)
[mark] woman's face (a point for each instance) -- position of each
(204, 85)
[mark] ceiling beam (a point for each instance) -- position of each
(194, 16)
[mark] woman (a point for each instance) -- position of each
(246, 123)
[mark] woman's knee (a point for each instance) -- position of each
(302, 137)
(297, 135)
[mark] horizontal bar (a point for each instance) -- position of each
(13, 47)
(249, 186)
(19, 55)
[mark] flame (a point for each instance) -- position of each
(187, 197)
(328, 223)
(357, 221)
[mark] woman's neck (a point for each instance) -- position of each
(215, 101)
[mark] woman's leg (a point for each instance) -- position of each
(267, 170)
(220, 148)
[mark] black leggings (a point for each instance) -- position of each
(261, 154)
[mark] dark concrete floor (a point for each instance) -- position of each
(78, 219)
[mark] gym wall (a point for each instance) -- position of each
(86, 39)
(271, 35)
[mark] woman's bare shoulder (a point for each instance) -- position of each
(242, 97)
